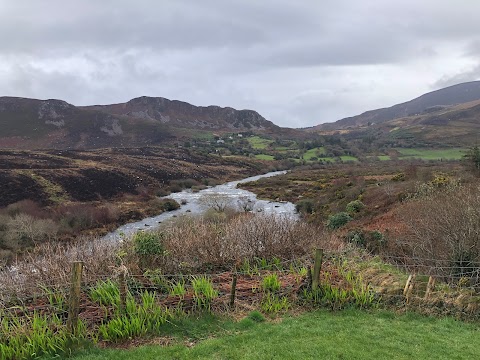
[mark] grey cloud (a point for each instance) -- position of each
(297, 63)
(469, 75)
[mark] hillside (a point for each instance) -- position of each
(184, 115)
(430, 102)
(55, 124)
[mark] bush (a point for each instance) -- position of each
(305, 206)
(354, 206)
(170, 205)
(338, 220)
(148, 243)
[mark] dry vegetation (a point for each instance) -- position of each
(61, 194)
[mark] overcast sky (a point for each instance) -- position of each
(298, 63)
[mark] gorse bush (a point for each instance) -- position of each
(148, 243)
(354, 206)
(338, 220)
(305, 206)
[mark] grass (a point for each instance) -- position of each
(345, 158)
(383, 157)
(432, 154)
(259, 143)
(264, 157)
(350, 334)
(315, 152)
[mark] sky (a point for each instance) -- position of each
(298, 63)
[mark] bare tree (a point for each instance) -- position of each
(246, 204)
(217, 202)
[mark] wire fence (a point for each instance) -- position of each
(412, 285)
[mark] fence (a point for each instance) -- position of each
(417, 282)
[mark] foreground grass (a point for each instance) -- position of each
(351, 334)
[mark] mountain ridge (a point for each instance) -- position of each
(449, 96)
(27, 123)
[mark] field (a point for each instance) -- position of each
(259, 143)
(264, 157)
(432, 154)
(315, 152)
(349, 334)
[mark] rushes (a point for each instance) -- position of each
(140, 319)
(36, 335)
(203, 292)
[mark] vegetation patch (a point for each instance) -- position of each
(432, 154)
(349, 334)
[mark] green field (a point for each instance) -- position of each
(432, 154)
(315, 152)
(259, 143)
(383, 157)
(346, 158)
(264, 157)
(349, 334)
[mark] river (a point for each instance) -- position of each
(199, 202)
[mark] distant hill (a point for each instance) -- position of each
(56, 124)
(185, 115)
(427, 103)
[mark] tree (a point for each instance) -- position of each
(473, 159)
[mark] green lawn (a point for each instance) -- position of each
(350, 334)
(383, 157)
(432, 154)
(259, 143)
(264, 157)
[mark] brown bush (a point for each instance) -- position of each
(444, 229)
(76, 217)
(196, 242)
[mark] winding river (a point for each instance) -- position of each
(198, 202)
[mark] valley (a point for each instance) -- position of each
(391, 206)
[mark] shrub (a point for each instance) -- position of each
(338, 220)
(356, 237)
(443, 224)
(148, 243)
(305, 206)
(170, 205)
(354, 206)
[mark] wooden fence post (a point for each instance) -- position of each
(317, 267)
(407, 291)
(122, 287)
(74, 298)
(430, 287)
(233, 290)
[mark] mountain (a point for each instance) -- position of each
(427, 103)
(56, 124)
(185, 115)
